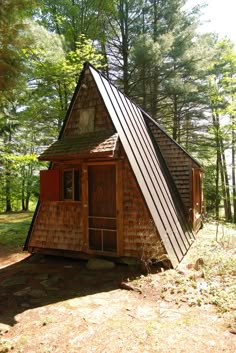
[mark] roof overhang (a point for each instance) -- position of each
(96, 144)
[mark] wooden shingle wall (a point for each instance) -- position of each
(88, 98)
(139, 232)
(178, 162)
(58, 226)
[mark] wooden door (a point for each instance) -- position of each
(102, 221)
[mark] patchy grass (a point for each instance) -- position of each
(14, 228)
(207, 274)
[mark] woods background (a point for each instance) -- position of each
(151, 49)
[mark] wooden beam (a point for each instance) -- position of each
(119, 206)
(85, 206)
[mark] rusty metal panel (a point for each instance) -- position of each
(147, 164)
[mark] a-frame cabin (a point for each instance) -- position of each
(117, 182)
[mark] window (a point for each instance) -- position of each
(71, 185)
(86, 122)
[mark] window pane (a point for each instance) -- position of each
(76, 186)
(68, 182)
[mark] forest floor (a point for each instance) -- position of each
(50, 304)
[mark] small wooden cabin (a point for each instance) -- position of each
(117, 185)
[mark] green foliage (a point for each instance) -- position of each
(13, 37)
(34, 111)
(153, 51)
(209, 189)
(71, 19)
(53, 74)
(20, 172)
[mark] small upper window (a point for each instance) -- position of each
(71, 185)
(86, 123)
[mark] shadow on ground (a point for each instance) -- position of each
(40, 280)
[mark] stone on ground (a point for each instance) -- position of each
(99, 264)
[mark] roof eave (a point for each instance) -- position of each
(73, 157)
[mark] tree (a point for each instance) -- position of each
(13, 37)
(170, 60)
(124, 25)
(222, 102)
(42, 96)
(53, 74)
(73, 18)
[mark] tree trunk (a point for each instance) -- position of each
(176, 122)
(233, 166)
(8, 176)
(27, 200)
(143, 70)
(154, 95)
(23, 190)
(217, 204)
(228, 215)
(104, 53)
(216, 125)
(8, 192)
(223, 186)
(124, 15)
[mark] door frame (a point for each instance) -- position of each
(119, 207)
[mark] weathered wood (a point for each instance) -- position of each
(119, 206)
(102, 207)
(85, 206)
(49, 185)
(58, 225)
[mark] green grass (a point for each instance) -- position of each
(14, 228)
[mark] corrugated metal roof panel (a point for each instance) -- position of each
(147, 164)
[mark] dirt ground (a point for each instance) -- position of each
(50, 304)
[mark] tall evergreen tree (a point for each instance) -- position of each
(13, 38)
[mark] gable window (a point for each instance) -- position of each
(86, 122)
(71, 185)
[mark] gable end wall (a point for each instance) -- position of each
(179, 163)
(141, 237)
(88, 97)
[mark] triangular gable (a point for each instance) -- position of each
(148, 168)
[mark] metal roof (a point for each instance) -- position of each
(152, 175)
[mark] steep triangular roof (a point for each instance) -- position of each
(148, 165)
